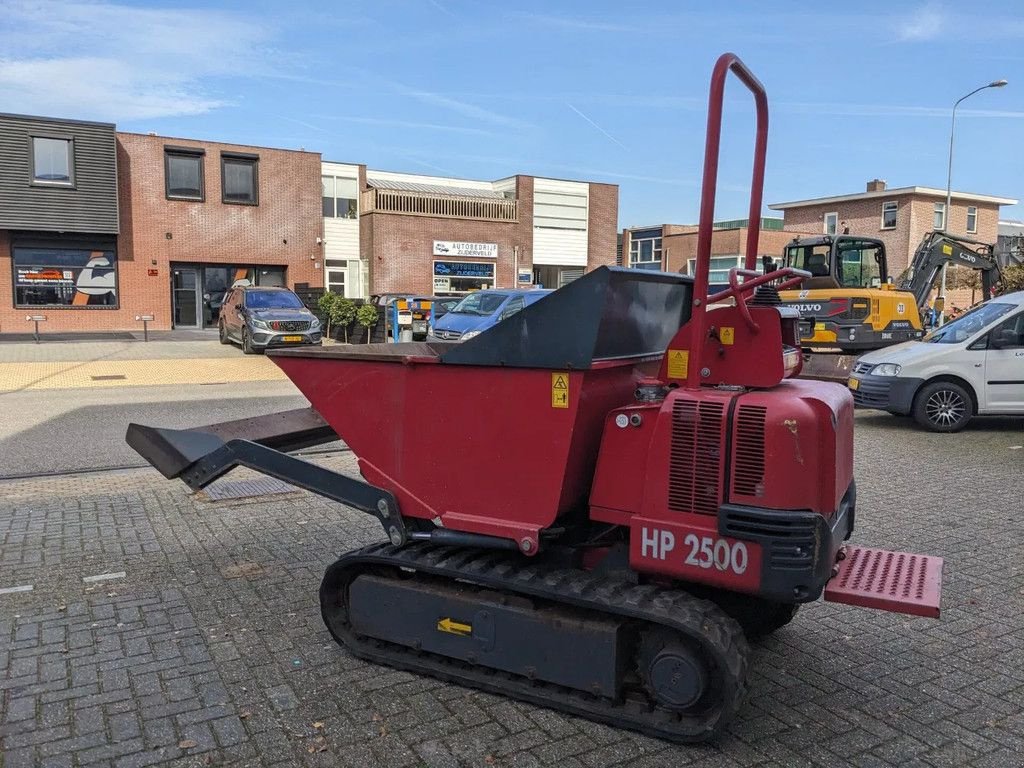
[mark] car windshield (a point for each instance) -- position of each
(482, 304)
(967, 325)
(272, 300)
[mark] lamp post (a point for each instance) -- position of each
(949, 181)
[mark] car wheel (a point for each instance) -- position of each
(943, 406)
(222, 334)
(247, 346)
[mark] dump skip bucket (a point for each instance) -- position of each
(499, 434)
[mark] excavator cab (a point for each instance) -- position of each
(848, 303)
(838, 262)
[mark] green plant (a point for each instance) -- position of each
(366, 316)
(1012, 279)
(326, 304)
(343, 313)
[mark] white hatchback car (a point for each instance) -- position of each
(971, 366)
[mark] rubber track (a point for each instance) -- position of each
(718, 635)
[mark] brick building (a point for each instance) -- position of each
(899, 217)
(673, 247)
(397, 232)
(197, 216)
(99, 227)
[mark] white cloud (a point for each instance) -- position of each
(926, 23)
(102, 60)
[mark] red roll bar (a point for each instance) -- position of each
(725, 63)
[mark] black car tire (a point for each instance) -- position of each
(943, 406)
(247, 347)
(222, 334)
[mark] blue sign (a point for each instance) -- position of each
(463, 269)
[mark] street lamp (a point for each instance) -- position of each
(949, 181)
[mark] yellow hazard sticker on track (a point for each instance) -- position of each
(453, 627)
(678, 363)
(727, 335)
(559, 390)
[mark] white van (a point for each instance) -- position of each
(971, 366)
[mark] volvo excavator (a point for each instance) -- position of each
(851, 305)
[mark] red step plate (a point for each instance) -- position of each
(891, 581)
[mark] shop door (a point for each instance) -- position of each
(185, 297)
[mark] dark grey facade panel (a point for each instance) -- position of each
(89, 204)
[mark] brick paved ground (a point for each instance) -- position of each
(210, 650)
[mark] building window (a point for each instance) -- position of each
(240, 178)
(340, 197)
(939, 216)
(645, 253)
(889, 211)
(972, 219)
(183, 174)
(831, 223)
(64, 277)
(720, 268)
(52, 161)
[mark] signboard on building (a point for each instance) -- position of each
(463, 250)
(462, 276)
(526, 276)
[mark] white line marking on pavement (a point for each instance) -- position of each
(12, 590)
(104, 577)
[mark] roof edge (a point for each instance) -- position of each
(894, 192)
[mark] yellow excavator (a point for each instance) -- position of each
(850, 304)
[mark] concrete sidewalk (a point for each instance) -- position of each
(119, 363)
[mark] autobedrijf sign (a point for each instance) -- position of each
(463, 249)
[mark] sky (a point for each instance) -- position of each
(593, 90)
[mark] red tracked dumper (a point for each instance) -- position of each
(632, 484)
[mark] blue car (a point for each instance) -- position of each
(482, 310)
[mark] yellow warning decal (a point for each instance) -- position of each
(559, 390)
(678, 363)
(727, 335)
(453, 627)
(947, 249)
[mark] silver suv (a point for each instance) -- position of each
(260, 318)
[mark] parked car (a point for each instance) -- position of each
(972, 366)
(259, 318)
(481, 310)
(441, 306)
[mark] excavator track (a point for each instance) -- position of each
(671, 616)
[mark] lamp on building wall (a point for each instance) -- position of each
(949, 180)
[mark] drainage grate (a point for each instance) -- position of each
(109, 377)
(244, 489)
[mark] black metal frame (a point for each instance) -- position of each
(199, 457)
(192, 153)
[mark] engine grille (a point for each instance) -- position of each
(290, 325)
(748, 468)
(448, 335)
(862, 368)
(696, 457)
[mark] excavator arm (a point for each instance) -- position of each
(938, 248)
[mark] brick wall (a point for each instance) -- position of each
(401, 248)
(281, 230)
(602, 225)
(9, 317)
(679, 248)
